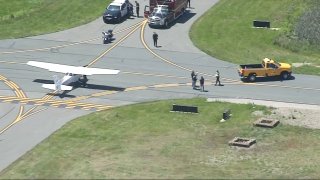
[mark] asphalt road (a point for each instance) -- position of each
(28, 114)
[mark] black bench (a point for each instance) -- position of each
(181, 108)
(264, 24)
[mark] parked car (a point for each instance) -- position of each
(117, 11)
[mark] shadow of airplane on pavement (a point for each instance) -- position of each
(79, 85)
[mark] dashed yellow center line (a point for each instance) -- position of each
(103, 93)
(156, 75)
(78, 98)
(136, 88)
(165, 85)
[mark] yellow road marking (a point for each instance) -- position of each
(103, 93)
(14, 122)
(136, 88)
(78, 98)
(114, 45)
(20, 93)
(168, 61)
(30, 114)
(64, 45)
(165, 85)
(54, 103)
(156, 75)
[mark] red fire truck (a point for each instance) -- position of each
(163, 12)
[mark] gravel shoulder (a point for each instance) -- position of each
(303, 115)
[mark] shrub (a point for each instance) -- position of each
(304, 33)
(308, 26)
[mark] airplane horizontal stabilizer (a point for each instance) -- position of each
(54, 87)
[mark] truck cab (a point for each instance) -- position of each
(274, 68)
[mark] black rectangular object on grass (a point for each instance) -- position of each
(181, 108)
(258, 23)
(226, 114)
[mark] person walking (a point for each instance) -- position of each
(189, 3)
(192, 74)
(194, 81)
(155, 39)
(218, 78)
(202, 84)
(137, 8)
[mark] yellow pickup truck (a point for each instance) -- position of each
(267, 68)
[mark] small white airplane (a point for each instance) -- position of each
(73, 74)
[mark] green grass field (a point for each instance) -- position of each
(21, 18)
(226, 32)
(147, 141)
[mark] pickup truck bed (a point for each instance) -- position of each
(250, 66)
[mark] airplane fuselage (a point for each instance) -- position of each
(70, 78)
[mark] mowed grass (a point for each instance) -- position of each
(21, 18)
(226, 32)
(147, 141)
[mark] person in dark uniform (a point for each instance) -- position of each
(202, 84)
(129, 8)
(194, 81)
(155, 39)
(192, 75)
(137, 8)
(218, 78)
(189, 3)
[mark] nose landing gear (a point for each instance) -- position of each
(83, 81)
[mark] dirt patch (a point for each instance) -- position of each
(309, 118)
(288, 113)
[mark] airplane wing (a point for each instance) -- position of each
(71, 69)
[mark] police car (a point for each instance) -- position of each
(117, 11)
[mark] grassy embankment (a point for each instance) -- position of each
(147, 141)
(21, 18)
(226, 32)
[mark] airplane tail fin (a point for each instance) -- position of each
(57, 85)
(57, 82)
